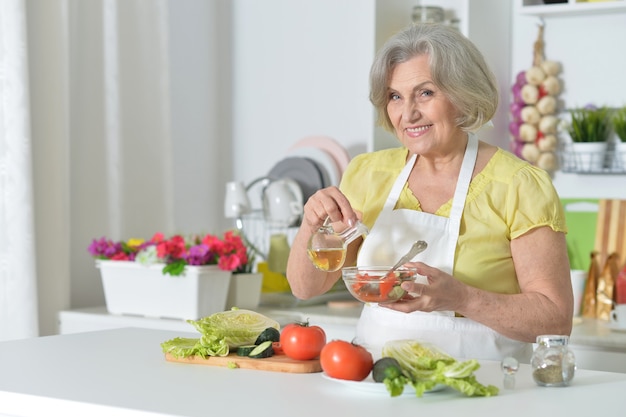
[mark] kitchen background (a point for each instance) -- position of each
(142, 110)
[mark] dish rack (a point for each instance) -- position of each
(258, 231)
(610, 161)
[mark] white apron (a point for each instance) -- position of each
(390, 237)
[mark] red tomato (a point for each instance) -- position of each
(345, 360)
(386, 284)
(301, 341)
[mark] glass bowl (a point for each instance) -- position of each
(372, 284)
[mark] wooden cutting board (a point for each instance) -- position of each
(276, 363)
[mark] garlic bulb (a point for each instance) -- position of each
(531, 115)
(551, 67)
(528, 132)
(535, 76)
(530, 152)
(548, 143)
(548, 124)
(547, 161)
(530, 94)
(551, 85)
(546, 105)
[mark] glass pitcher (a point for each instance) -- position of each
(327, 248)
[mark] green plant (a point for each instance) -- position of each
(619, 123)
(590, 124)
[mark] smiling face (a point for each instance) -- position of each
(423, 117)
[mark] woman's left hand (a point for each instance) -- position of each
(442, 293)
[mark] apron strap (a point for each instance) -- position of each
(465, 177)
(398, 185)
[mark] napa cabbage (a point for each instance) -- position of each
(427, 366)
(219, 333)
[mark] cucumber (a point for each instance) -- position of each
(264, 350)
(271, 333)
(396, 293)
(245, 350)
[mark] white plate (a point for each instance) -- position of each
(369, 386)
(324, 159)
(615, 328)
(330, 145)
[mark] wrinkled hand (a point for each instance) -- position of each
(328, 203)
(442, 293)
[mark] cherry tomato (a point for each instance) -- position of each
(302, 342)
(278, 349)
(345, 360)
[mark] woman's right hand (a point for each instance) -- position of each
(304, 278)
(328, 203)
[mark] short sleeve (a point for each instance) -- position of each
(351, 186)
(532, 202)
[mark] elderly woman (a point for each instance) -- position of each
(496, 265)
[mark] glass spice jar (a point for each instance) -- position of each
(553, 363)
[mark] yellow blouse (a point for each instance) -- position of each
(506, 199)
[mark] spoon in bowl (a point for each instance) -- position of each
(418, 247)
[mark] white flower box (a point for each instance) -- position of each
(134, 289)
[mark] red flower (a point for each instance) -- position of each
(172, 249)
(120, 256)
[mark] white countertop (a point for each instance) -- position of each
(598, 334)
(122, 372)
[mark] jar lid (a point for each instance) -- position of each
(552, 340)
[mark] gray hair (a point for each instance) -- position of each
(457, 66)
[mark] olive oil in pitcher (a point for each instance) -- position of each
(327, 249)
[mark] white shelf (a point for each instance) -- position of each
(573, 7)
(570, 185)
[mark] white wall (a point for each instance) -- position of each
(300, 68)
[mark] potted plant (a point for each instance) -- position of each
(176, 277)
(589, 130)
(619, 127)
